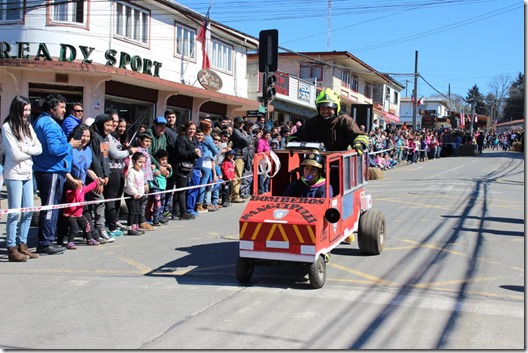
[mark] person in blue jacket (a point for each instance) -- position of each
(50, 168)
(73, 119)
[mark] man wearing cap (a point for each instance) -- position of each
(239, 141)
(284, 134)
(159, 141)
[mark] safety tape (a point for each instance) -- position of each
(73, 204)
(394, 148)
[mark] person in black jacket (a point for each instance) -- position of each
(240, 142)
(172, 135)
(99, 144)
(187, 151)
(337, 131)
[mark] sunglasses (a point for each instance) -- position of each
(217, 140)
(78, 111)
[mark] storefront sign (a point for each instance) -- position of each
(69, 53)
(304, 92)
(210, 80)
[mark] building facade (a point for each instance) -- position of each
(428, 111)
(138, 57)
(369, 96)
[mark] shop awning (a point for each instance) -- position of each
(391, 117)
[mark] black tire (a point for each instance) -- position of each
(244, 269)
(317, 273)
(371, 232)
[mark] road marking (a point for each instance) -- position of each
(371, 278)
(446, 171)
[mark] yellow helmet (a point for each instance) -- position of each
(328, 98)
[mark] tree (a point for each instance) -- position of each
(514, 108)
(476, 99)
(496, 99)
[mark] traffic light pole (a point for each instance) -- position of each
(265, 100)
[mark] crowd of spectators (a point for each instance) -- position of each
(167, 172)
(396, 145)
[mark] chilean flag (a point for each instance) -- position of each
(203, 37)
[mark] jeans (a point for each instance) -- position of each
(50, 187)
(19, 194)
(263, 183)
(192, 194)
(206, 175)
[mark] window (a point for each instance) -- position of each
(11, 10)
(185, 42)
(354, 83)
(345, 78)
(68, 11)
(368, 90)
(311, 71)
(222, 56)
(132, 23)
(395, 101)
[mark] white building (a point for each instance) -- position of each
(369, 96)
(140, 57)
(432, 107)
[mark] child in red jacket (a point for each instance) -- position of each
(74, 214)
(228, 174)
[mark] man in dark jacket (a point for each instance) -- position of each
(337, 131)
(240, 142)
(102, 127)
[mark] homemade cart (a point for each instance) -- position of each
(305, 230)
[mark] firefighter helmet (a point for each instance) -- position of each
(314, 159)
(328, 98)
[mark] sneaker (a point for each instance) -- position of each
(71, 246)
(116, 233)
(164, 220)
(92, 242)
(146, 226)
(193, 213)
(101, 240)
(104, 234)
(211, 208)
(156, 222)
(109, 240)
(226, 204)
(167, 214)
(187, 216)
(238, 200)
(50, 249)
(121, 226)
(134, 232)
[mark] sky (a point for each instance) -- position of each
(460, 43)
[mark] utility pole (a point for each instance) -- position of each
(329, 29)
(415, 91)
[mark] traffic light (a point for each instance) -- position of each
(269, 90)
(268, 50)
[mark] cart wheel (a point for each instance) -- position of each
(371, 232)
(244, 269)
(317, 273)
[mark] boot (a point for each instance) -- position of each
(200, 209)
(15, 256)
(22, 248)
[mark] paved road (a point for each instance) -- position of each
(451, 277)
